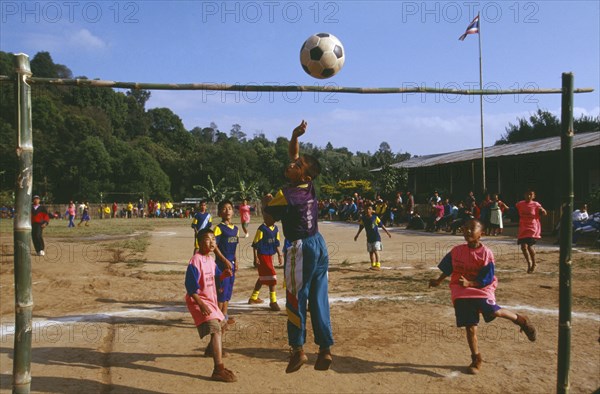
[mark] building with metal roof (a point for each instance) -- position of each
(511, 169)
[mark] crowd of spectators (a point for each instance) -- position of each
(433, 214)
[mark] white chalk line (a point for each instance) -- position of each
(554, 312)
(159, 312)
(164, 233)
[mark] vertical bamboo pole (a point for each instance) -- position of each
(566, 224)
(22, 231)
(483, 181)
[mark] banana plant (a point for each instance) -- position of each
(214, 193)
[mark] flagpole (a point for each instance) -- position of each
(484, 188)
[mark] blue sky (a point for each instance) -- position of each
(526, 44)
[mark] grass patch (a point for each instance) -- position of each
(98, 227)
(129, 251)
(586, 302)
(134, 245)
(586, 263)
(166, 272)
(135, 263)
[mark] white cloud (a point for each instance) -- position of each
(65, 40)
(83, 38)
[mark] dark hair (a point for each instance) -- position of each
(222, 204)
(313, 167)
(203, 201)
(203, 233)
(475, 221)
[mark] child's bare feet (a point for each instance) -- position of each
(222, 374)
(476, 362)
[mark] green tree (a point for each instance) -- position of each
(140, 96)
(94, 167)
(390, 180)
(214, 192)
(237, 133)
(247, 190)
(42, 65)
(544, 124)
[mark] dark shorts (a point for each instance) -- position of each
(467, 311)
(527, 241)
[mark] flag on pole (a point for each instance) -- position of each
(473, 28)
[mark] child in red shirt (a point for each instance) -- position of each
(530, 228)
(473, 286)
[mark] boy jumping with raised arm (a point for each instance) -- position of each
(307, 260)
(473, 286)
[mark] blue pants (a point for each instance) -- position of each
(225, 285)
(71, 223)
(306, 265)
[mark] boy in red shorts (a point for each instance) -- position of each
(266, 243)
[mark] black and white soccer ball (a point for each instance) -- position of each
(322, 55)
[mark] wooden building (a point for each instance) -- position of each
(511, 169)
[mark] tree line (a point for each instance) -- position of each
(91, 140)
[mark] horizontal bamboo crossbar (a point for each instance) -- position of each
(281, 88)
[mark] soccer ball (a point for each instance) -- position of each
(322, 55)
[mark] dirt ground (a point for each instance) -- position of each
(110, 319)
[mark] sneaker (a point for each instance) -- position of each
(475, 366)
(526, 327)
(296, 360)
(222, 374)
(274, 306)
(323, 360)
(246, 236)
(256, 301)
(42, 253)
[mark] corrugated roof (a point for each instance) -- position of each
(583, 140)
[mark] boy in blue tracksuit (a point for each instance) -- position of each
(307, 260)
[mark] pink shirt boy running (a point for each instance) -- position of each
(245, 213)
(529, 219)
(200, 279)
(475, 264)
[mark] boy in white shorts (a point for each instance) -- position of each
(371, 223)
